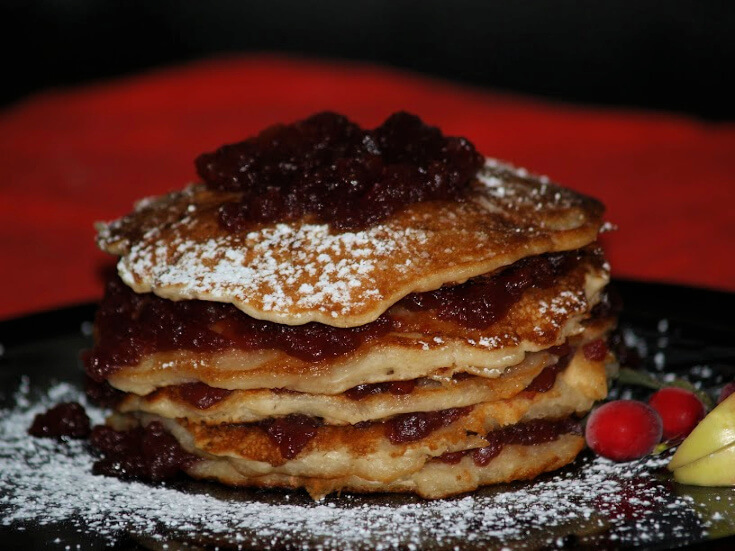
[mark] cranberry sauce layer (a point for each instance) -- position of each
(199, 395)
(410, 427)
(483, 300)
(293, 432)
(130, 325)
(331, 170)
(397, 388)
(537, 431)
(596, 350)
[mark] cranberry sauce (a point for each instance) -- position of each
(291, 433)
(409, 427)
(199, 395)
(483, 300)
(328, 167)
(595, 351)
(101, 393)
(64, 420)
(537, 431)
(149, 453)
(396, 388)
(546, 379)
(130, 325)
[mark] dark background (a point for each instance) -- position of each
(677, 55)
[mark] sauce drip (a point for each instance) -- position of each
(64, 420)
(144, 453)
(329, 168)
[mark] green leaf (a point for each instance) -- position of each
(632, 377)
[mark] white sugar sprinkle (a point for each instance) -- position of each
(45, 482)
(338, 269)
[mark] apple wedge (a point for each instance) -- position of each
(715, 431)
(715, 469)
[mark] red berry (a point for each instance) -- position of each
(728, 389)
(680, 411)
(623, 430)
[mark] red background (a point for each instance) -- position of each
(69, 158)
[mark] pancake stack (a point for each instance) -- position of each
(453, 343)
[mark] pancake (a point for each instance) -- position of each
(247, 406)
(334, 308)
(434, 480)
(298, 273)
(418, 346)
(201, 403)
(366, 452)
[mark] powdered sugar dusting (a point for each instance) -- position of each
(513, 187)
(279, 268)
(46, 482)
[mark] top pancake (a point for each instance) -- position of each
(298, 272)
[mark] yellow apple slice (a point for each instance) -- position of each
(716, 469)
(715, 431)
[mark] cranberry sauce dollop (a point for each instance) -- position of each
(148, 453)
(64, 420)
(537, 431)
(483, 300)
(130, 325)
(328, 167)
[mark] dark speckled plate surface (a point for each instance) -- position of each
(686, 331)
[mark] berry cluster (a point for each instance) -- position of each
(623, 430)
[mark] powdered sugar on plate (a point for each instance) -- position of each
(595, 502)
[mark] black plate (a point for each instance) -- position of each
(679, 330)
